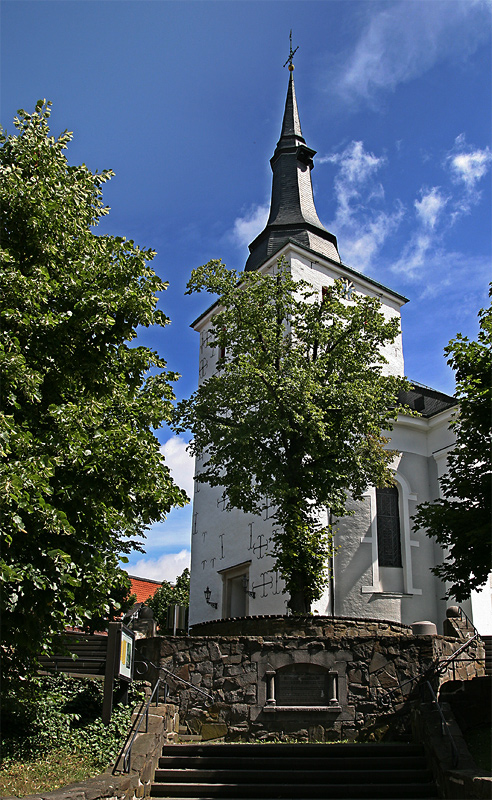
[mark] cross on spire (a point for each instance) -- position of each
(291, 54)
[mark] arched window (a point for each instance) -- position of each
(388, 527)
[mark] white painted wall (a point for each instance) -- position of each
(223, 541)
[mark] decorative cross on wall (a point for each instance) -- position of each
(267, 509)
(267, 583)
(250, 535)
(261, 546)
(277, 582)
(221, 537)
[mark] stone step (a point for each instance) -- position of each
(294, 762)
(286, 791)
(293, 772)
(288, 750)
(304, 776)
(189, 737)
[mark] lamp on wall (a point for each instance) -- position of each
(246, 587)
(207, 594)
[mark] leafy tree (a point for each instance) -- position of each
(81, 472)
(167, 595)
(461, 519)
(295, 410)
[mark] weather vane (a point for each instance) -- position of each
(291, 54)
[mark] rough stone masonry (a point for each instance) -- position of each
(313, 678)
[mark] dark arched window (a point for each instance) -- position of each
(388, 524)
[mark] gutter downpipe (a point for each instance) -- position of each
(332, 570)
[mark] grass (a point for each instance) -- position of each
(53, 733)
(479, 743)
(55, 769)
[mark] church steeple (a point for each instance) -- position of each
(293, 214)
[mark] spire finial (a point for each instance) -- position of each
(291, 54)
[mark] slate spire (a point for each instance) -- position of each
(293, 215)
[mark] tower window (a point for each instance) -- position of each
(388, 525)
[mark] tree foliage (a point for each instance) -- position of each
(167, 595)
(295, 410)
(461, 519)
(81, 472)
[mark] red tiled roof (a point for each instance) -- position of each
(143, 588)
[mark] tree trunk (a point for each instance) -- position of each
(300, 598)
(299, 604)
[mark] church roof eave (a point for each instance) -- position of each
(339, 266)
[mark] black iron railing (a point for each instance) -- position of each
(445, 728)
(141, 667)
(424, 680)
(144, 713)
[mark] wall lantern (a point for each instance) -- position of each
(207, 594)
(246, 587)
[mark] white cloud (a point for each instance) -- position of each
(361, 224)
(362, 245)
(247, 227)
(468, 165)
(179, 461)
(430, 206)
(414, 255)
(165, 568)
(405, 39)
(356, 164)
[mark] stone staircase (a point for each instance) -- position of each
(267, 771)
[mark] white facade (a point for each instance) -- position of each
(231, 551)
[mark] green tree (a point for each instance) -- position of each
(461, 519)
(81, 472)
(295, 410)
(167, 595)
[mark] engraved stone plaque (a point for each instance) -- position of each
(302, 686)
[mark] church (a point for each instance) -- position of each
(382, 567)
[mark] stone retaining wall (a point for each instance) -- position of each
(361, 661)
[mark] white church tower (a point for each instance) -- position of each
(382, 569)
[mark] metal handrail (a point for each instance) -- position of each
(445, 728)
(468, 620)
(437, 667)
(442, 665)
(145, 711)
(187, 683)
(174, 677)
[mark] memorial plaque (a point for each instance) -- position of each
(301, 688)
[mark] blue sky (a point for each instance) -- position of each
(184, 101)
